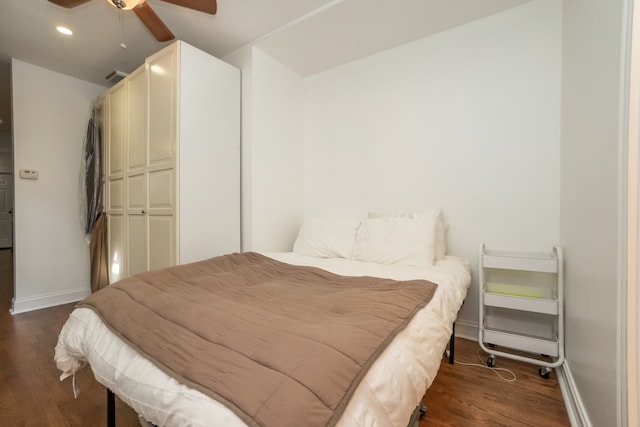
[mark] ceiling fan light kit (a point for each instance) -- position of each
(64, 30)
(125, 5)
(148, 17)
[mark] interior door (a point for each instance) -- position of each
(6, 210)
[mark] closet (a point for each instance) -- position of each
(172, 154)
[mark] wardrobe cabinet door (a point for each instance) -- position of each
(115, 180)
(161, 162)
(137, 250)
(136, 234)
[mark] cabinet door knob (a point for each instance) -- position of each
(143, 211)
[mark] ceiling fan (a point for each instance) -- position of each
(148, 17)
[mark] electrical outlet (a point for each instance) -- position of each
(28, 174)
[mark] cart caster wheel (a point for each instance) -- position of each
(491, 361)
(544, 372)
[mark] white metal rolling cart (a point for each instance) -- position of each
(521, 306)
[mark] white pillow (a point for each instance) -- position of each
(396, 240)
(326, 237)
(440, 231)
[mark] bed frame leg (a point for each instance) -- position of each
(111, 409)
(452, 344)
(423, 411)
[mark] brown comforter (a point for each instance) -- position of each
(280, 345)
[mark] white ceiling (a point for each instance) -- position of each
(309, 36)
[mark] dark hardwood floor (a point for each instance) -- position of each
(31, 393)
(475, 396)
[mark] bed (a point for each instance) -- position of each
(387, 390)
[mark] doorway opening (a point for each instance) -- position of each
(7, 290)
(6, 278)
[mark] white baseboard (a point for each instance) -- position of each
(23, 305)
(467, 330)
(575, 409)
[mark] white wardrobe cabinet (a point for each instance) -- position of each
(173, 162)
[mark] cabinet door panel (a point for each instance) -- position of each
(162, 108)
(116, 247)
(161, 241)
(161, 191)
(115, 195)
(137, 115)
(137, 244)
(136, 194)
(116, 134)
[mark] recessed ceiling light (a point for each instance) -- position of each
(64, 30)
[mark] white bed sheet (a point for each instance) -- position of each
(386, 396)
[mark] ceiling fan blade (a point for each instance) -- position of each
(153, 22)
(206, 6)
(69, 3)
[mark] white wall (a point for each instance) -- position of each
(272, 151)
(50, 112)
(243, 59)
(590, 211)
(468, 120)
